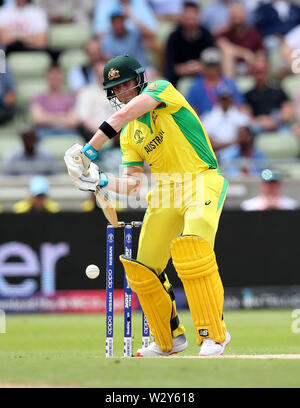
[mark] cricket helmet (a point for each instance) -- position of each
(122, 69)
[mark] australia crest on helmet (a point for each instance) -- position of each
(113, 74)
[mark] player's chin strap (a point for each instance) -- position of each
(142, 82)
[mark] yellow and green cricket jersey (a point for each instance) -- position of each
(170, 139)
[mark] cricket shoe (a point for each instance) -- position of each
(209, 347)
(153, 350)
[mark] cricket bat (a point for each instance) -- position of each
(103, 200)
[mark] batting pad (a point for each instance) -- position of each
(195, 262)
(155, 301)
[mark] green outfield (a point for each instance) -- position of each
(69, 350)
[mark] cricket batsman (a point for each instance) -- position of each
(159, 127)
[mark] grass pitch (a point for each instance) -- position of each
(69, 351)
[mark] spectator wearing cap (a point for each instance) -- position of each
(242, 158)
(269, 107)
(270, 197)
(38, 200)
(7, 96)
(202, 94)
(53, 112)
(126, 40)
(138, 10)
(224, 120)
(23, 27)
(240, 43)
(30, 158)
(185, 44)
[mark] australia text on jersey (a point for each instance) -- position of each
(156, 141)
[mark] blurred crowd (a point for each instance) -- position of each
(236, 62)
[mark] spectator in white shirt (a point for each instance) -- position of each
(270, 197)
(23, 27)
(288, 54)
(67, 11)
(224, 120)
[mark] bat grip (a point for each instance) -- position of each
(79, 160)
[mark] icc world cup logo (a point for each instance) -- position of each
(110, 238)
(128, 238)
(138, 137)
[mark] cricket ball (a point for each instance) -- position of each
(92, 271)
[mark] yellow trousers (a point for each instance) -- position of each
(191, 206)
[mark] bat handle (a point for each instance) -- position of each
(79, 160)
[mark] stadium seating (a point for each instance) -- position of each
(275, 60)
(30, 68)
(293, 170)
(278, 145)
(183, 84)
(8, 142)
(291, 84)
(29, 64)
(290, 169)
(71, 58)
(66, 36)
(59, 144)
(27, 89)
(8, 129)
(164, 30)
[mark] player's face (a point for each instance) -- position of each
(127, 91)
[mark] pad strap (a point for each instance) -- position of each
(174, 323)
(167, 285)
